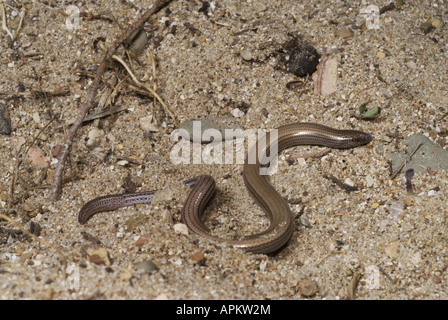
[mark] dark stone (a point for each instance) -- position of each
(303, 60)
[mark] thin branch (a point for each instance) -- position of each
(22, 15)
(85, 107)
(2, 9)
(147, 88)
(153, 64)
(351, 289)
(91, 117)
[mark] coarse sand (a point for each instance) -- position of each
(213, 59)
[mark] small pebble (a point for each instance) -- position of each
(37, 157)
(349, 182)
(181, 228)
(301, 162)
(246, 55)
(380, 55)
(307, 288)
(370, 181)
(126, 275)
(167, 217)
(148, 123)
(304, 221)
(43, 137)
(20, 142)
(142, 240)
(139, 43)
(392, 249)
(93, 135)
(99, 256)
(437, 23)
(436, 279)
(146, 267)
(135, 220)
(198, 258)
(32, 208)
(237, 113)
(344, 33)
(395, 208)
(411, 64)
(36, 117)
(426, 27)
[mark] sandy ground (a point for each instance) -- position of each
(380, 242)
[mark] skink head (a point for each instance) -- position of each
(361, 138)
(346, 139)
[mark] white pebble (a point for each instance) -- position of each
(349, 182)
(181, 228)
(301, 162)
(148, 123)
(178, 262)
(36, 117)
(370, 180)
(95, 133)
(237, 113)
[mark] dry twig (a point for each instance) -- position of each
(22, 15)
(147, 88)
(4, 26)
(90, 117)
(351, 289)
(153, 64)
